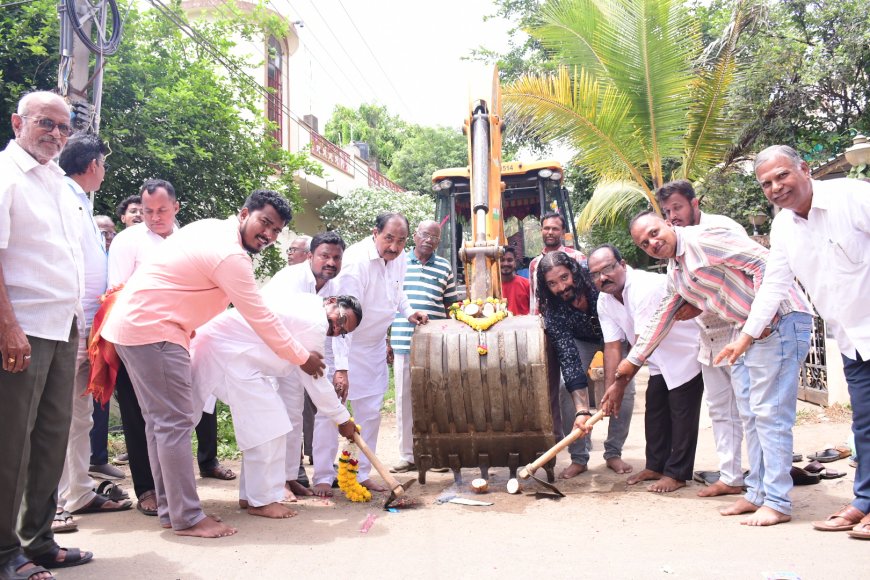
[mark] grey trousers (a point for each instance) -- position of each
(35, 414)
(617, 427)
(160, 373)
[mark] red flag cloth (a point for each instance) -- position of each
(101, 353)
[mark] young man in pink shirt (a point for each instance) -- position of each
(192, 278)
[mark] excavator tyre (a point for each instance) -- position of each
(473, 410)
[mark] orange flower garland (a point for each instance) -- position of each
(348, 468)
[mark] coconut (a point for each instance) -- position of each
(488, 309)
(479, 485)
(471, 309)
(513, 486)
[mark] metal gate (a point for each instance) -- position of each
(813, 386)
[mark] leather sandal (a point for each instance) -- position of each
(97, 506)
(73, 557)
(862, 530)
(150, 494)
(848, 512)
(112, 491)
(218, 472)
(10, 569)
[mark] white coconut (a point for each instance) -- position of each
(479, 485)
(513, 486)
(488, 309)
(471, 309)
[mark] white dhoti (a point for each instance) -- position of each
(261, 481)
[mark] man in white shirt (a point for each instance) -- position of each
(371, 272)
(680, 206)
(229, 360)
(313, 276)
(41, 282)
(83, 160)
(822, 238)
(627, 302)
(299, 250)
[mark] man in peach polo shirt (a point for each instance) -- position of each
(193, 277)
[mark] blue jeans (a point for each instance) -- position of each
(858, 378)
(766, 381)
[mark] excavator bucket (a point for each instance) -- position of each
(480, 410)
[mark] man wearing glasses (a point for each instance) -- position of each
(41, 281)
(430, 288)
(299, 250)
(230, 361)
(628, 300)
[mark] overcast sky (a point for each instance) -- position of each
(417, 69)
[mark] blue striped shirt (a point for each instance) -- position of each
(430, 288)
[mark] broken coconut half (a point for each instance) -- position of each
(513, 486)
(479, 485)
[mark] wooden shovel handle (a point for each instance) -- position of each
(379, 467)
(555, 449)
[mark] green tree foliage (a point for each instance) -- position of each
(426, 151)
(634, 94)
(371, 123)
(353, 216)
(169, 111)
(807, 76)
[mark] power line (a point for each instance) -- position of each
(375, 58)
(229, 65)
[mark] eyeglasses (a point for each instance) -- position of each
(291, 251)
(430, 237)
(603, 271)
(48, 125)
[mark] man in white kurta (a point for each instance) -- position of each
(313, 276)
(627, 302)
(231, 362)
(371, 272)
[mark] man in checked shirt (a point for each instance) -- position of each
(720, 272)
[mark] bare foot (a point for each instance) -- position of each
(168, 525)
(618, 465)
(573, 470)
(766, 516)
(298, 489)
(720, 488)
(272, 510)
(666, 485)
(645, 475)
(207, 528)
(322, 490)
(372, 486)
(289, 496)
(741, 506)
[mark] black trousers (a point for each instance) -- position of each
(207, 444)
(671, 426)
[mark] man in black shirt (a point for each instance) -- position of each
(568, 302)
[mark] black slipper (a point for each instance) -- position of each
(74, 557)
(804, 477)
(96, 506)
(10, 568)
(112, 491)
(147, 495)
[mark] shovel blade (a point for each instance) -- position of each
(548, 485)
(395, 496)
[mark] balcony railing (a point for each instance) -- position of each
(326, 151)
(378, 179)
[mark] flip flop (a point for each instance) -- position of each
(804, 477)
(862, 530)
(831, 474)
(795, 457)
(112, 491)
(63, 523)
(848, 512)
(96, 506)
(74, 557)
(814, 467)
(218, 472)
(830, 454)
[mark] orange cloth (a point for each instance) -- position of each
(101, 353)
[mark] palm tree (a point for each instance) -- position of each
(635, 93)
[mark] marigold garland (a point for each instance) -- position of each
(348, 468)
(472, 313)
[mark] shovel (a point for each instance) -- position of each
(397, 489)
(530, 469)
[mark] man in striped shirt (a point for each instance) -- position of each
(720, 272)
(430, 288)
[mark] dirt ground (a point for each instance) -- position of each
(602, 529)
